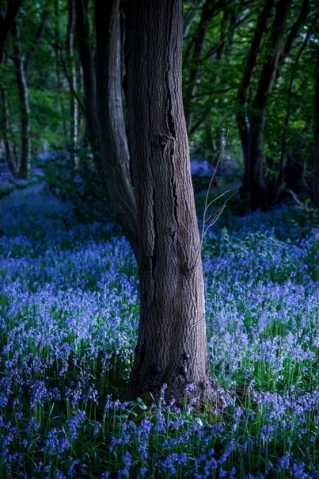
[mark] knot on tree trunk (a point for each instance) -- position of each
(162, 141)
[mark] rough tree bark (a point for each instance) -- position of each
(171, 346)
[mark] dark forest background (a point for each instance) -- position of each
(250, 82)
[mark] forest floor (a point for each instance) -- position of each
(18, 194)
(68, 319)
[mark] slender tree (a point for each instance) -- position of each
(73, 80)
(259, 192)
(23, 167)
(252, 113)
(89, 80)
(6, 20)
(316, 131)
(5, 127)
(242, 117)
(171, 346)
(104, 109)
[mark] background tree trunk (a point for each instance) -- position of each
(259, 191)
(316, 132)
(23, 93)
(282, 180)
(4, 128)
(89, 81)
(6, 21)
(171, 345)
(72, 77)
(59, 78)
(104, 110)
(242, 116)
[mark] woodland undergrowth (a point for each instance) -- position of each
(68, 322)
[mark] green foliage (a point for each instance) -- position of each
(218, 73)
(6, 189)
(212, 73)
(77, 183)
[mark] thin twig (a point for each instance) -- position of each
(211, 218)
(299, 203)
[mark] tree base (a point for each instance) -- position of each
(206, 395)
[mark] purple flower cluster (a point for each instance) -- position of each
(68, 320)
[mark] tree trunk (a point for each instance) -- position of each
(316, 133)
(104, 110)
(74, 105)
(171, 345)
(259, 191)
(4, 129)
(112, 135)
(6, 22)
(293, 34)
(281, 183)
(59, 80)
(23, 93)
(89, 81)
(242, 117)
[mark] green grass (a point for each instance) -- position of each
(68, 321)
